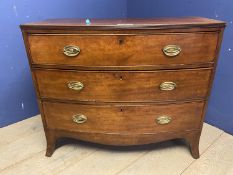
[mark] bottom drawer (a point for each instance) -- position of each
(123, 119)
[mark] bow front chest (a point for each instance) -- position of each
(123, 81)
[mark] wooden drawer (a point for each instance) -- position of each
(111, 86)
(123, 50)
(124, 119)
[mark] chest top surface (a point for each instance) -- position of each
(126, 23)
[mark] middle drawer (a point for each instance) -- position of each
(125, 86)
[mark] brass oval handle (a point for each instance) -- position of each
(79, 118)
(71, 51)
(172, 50)
(163, 119)
(167, 86)
(75, 85)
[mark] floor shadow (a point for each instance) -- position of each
(137, 148)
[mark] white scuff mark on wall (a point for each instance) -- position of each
(27, 16)
(15, 10)
(22, 105)
(229, 49)
(215, 14)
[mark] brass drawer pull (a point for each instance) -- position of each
(75, 85)
(167, 86)
(79, 118)
(163, 119)
(171, 50)
(71, 51)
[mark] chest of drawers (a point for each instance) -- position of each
(123, 82)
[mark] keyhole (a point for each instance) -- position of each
(118, 76)
(121, 109)
(121, 41)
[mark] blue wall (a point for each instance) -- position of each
(220, 108)
(17, 96)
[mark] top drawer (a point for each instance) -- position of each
(123, 50)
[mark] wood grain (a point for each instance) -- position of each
(123, 86)
(21, 148)
(218, 159)
(9, 134)
(122, 63)
(123, 50)
(171, 158)
(119, 24)
(123, 119)
(168, 158)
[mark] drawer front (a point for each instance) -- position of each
(124, 119)
(123, 50)
(114, 86)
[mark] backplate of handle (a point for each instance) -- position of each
(167, 86)
(79, 118)
(163, 119)
(75, 85)
(71, 51)
(172, 50)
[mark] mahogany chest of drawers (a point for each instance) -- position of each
(123, 82)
